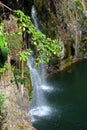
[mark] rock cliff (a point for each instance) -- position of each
(64, 20)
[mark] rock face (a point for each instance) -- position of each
(63, 20)
(17, 108)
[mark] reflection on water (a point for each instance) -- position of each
(65, 101)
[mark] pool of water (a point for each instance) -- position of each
(65, 104)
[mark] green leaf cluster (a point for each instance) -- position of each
(44, 47)
(23, 54)
(78, 1)
(3, 48)
(3, 69)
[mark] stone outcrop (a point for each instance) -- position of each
(17, 108)
(66, 21)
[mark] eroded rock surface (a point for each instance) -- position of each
(17, 108)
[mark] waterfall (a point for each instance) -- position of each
(41, 68)
(37, 81)
(38, 105)
(34, 17)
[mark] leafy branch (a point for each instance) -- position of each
(45, 47)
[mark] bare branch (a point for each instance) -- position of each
(3, 5)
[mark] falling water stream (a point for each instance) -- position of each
(38, 105)
(34, 17)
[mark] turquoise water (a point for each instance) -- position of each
(66, 101)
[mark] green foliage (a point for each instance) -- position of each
(17, 77)
(78, 1)
(23, 54)
(2, 100)
(2, 40)
(3, 112)
(4, 51)
(3, 48)
(3, 69)
(44, 47)
(79, 6)
(21, 80)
